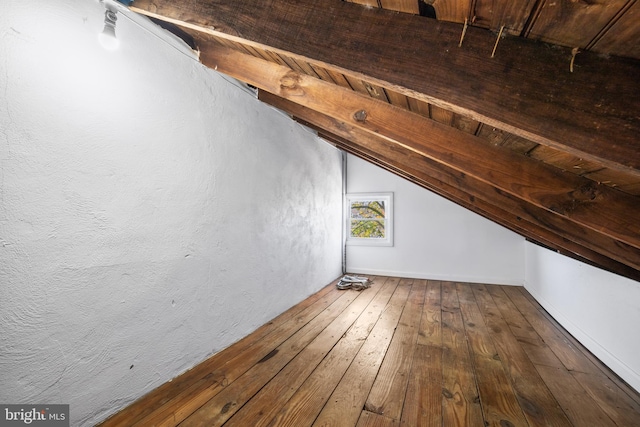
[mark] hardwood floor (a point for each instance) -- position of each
(402, 353)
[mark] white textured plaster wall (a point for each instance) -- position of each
(151, 213)
(600, 309)
(433, 238)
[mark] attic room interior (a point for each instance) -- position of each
(173, 212)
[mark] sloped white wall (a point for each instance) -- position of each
(151, 213)
(434, 238)
(600, 309)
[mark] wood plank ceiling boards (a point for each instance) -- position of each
(541, 138)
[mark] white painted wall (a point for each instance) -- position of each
(151, 213)
(600, 309)
(434, 238)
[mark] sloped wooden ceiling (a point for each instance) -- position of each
(540, 138)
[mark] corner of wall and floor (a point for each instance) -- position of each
(148, 216)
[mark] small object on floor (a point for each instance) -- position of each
(353, 282)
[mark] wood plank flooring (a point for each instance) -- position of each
(404, 352)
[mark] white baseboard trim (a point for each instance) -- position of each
(610, 360)
(446, 277)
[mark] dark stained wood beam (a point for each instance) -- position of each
(526, 89)
(578, 200)
(479, 197)
(530, 231)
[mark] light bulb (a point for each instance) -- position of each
(107, 37)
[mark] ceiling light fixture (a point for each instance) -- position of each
(107, 37)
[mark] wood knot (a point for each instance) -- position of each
(577, 198)
(290, 83)
(360, 116)
(446, 393)
(586, 192)
(227, 407)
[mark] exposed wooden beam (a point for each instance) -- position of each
(526, 89)
(479, 197)
(578, 200)
(530, 231)
(460, 197)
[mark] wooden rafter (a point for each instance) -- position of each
(333, 64)
(527, 89)
(463, 190)
(574, 198)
